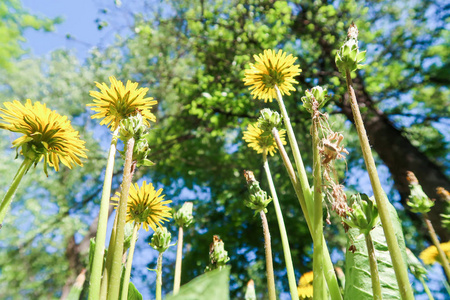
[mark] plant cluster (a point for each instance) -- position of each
(376, 252)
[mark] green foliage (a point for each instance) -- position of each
(211, 285)
(358, 283)
(133, 293)
(14, 19)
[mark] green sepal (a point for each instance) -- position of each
(317, 96)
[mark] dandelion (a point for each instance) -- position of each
(431, 255)
(260, 140)
(305, 287)
(146, 206)
(118, 102)
(271, 69)
(46, 134)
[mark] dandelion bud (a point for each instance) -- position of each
(315, 98)
(269, 119)
(348, 56)
(131, 126)
(142, 149)
(161, 239)
(183, 217)
(250, 293)
(218, 256)
(258, 199)
(418, 200)
(363, 213)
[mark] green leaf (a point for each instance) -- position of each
(358, 283)
(211, 285)
(91, 252)
(133, 293)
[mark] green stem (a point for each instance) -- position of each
(376, 286)
(434, 238)
(7, 199)
(116, 266)
(282, 227)
(302, 176)
(318, 282)
(269, 259)
(179, 259)
(97, 264)
(330, 275)
(426, 289)
(382, 202)
(159, 276)
(126, 279)
(108, 263)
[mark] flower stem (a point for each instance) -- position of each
(303, 178)
(318, 282)
(159, 276)
(426, 289)
(108, 263)
(376, 286)
(7, 199)
(116, 266)
(97, 264)
(330, 275)
(397, 260)
(434, 238)
(177, 280)
(269, 263)
(126, 279)
(284, 237)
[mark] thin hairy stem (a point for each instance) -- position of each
(269, 259)
(376, 286)
(159, 276)
(126, 279)
(435, 240)
(116, 266)
(399, 264)
(318, 282)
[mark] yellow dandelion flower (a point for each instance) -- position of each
(305, 286)
(118, 102)
(45, 132)
(260, 141)
(430, 255)
(146, 206)
(271, 69)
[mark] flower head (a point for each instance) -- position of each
(46, 134)
(271, 69)
(260, 140)
(119, 102)
(305, 286)
(430, 255)
(146, 206)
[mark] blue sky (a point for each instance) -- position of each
(79, 21)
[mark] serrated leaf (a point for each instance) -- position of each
(133, 293)
(358, 283)
(211, 285)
